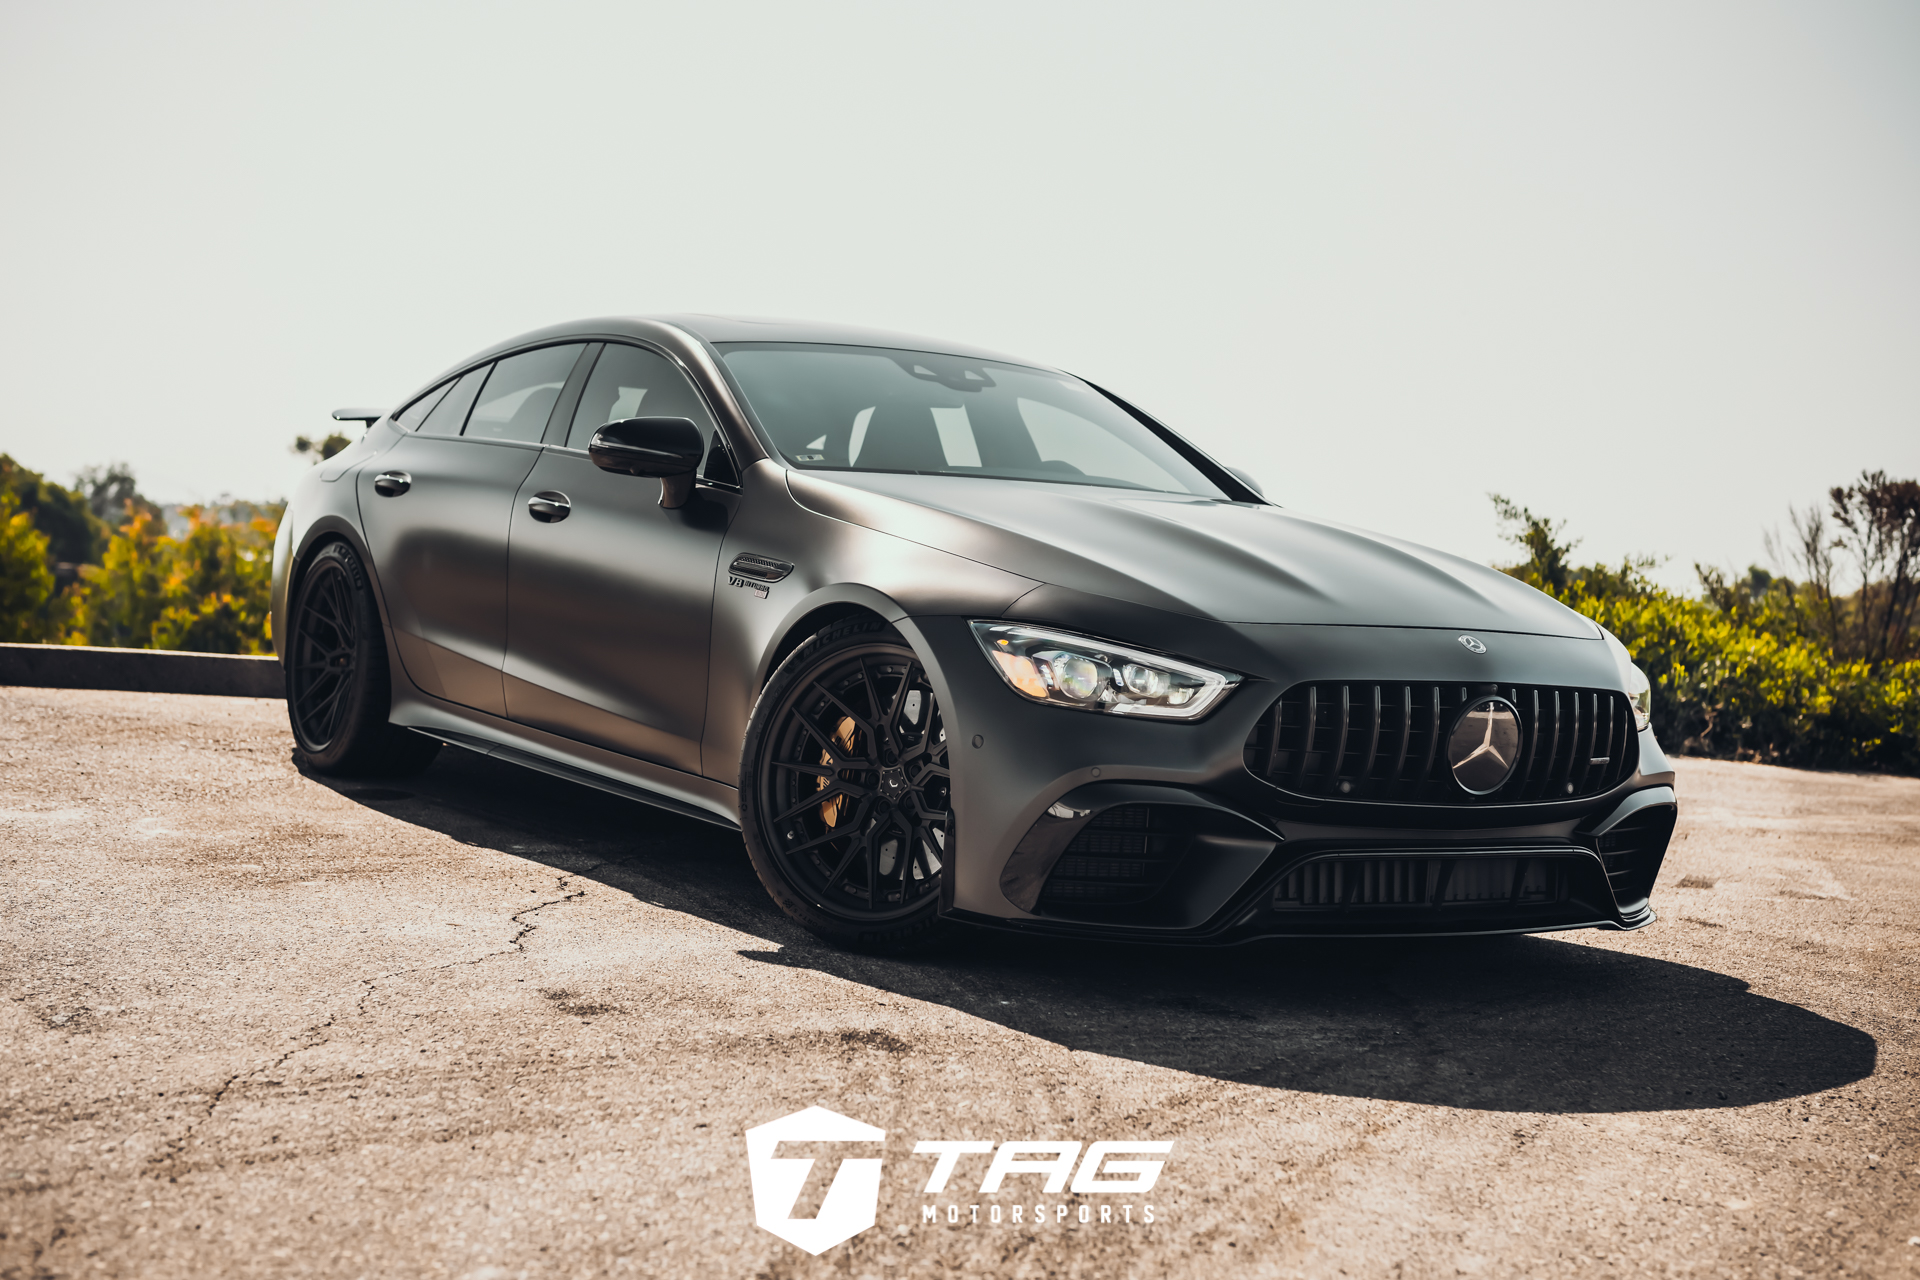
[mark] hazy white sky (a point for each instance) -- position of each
(1653, 268)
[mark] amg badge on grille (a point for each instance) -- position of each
(1484, 745)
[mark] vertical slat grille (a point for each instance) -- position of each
(1385, 742)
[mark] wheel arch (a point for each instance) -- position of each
(819, 610)
(322, 532)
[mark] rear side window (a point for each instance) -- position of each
(416, 413)
(631, 382)
(520, 395)
(450, 414)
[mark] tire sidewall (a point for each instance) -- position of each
(364, 721)
(907, 931)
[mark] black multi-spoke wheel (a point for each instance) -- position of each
(336, 665)
(845, 790)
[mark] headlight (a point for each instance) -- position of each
(1092, 675)
(1639, 696)
(1639, 688)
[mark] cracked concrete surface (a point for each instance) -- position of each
(487, 1024)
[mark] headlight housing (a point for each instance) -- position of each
(1639, 696)
(1092, 675)
(1639, 688)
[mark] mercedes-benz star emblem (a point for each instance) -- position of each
(1484, 745)
(1473, 644)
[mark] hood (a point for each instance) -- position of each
(1226, 561)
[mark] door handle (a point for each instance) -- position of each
(549, 506)
(391, 484)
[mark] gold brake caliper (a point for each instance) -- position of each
(843, 736)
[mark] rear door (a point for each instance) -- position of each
(436, 511)
(611, 604)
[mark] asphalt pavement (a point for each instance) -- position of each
(488, 1024)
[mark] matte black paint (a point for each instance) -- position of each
(618, 646)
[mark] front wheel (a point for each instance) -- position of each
(845, 792)
(338, 694)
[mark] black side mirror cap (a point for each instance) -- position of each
(669, 449)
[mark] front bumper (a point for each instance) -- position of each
(1082, 824)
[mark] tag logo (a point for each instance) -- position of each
(851, 1201)
(1474, 645)
(758, 588)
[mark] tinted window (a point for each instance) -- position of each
(451, 413)
(519, 396)
(414, 414)
(874, 409)
(629, 382)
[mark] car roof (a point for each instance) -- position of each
(719, 329)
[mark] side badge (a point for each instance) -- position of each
(756, 573)
(1473, 645)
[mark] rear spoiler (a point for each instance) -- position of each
(368, 416)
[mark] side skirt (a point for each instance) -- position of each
(657, 785)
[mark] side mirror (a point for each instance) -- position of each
(669, 449)
(1247, 480)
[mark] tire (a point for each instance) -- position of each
(338, 693)
(845, 793)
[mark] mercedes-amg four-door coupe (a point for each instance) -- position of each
(951, 636)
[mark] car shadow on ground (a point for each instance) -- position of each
(1527, 1024)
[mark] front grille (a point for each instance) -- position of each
(1121, 856)
(1343, 884)
(1386, 742)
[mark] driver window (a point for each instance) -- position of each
(631, 382)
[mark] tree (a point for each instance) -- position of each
(1546, 566)
(121, 598)
(1880, 520)
(75, 536)
(207, 591)
(220, 587)
(26, 584)
(112, 495)
(318, 451)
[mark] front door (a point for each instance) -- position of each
(436, 508)
(610, 605)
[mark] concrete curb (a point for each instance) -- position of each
(67, 666)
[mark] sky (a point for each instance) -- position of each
(1647, 268)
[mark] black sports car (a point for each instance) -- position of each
(953, 636)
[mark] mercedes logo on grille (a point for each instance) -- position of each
(1473, 645)
(1484, 745)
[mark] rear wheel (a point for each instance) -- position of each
(338, 694)
(845, 796)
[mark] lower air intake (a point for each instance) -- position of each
(1344, 884)
(1634, 850)
(1122, 856)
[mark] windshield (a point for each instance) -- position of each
(839, 408)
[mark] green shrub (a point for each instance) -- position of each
(26, 583)
(208, 591)
(1747, 671)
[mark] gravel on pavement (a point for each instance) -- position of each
(484, 1023)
